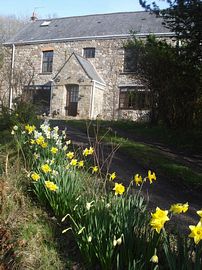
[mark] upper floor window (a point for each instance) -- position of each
(47, 64)
(134, 98)
(89, 52)
(130, 60)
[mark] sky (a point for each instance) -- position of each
(65, 8)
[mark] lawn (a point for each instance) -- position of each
(147, 154)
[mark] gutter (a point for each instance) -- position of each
(168, 34)
(11, 77)
(92, 100)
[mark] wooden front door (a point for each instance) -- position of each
(72, 99)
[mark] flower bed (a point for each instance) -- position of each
(109, 221)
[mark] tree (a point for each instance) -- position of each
(173, 72)
(10, 25)
(184, 18)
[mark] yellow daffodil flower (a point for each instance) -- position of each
(112, 176)
(80, 164)
(73, 162)
(29, 128)
(44, 145)
(90, 151)
(151, 176)
(87, 152)
(158, 219)
(196, 232)
(70, 155)
(46, 168)
(54, 150)
(32, 141)
(199, 213)
(154, 259)
(138, 179)
(119, 189)
(94, 169)
(179, 208)
(35, 176)
(40, 140)
(51, 186)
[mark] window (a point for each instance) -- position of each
(47, 64)
(89, 52)
(40, 96)
(134, 98)
(130, 60)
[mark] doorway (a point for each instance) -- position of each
(72, 99)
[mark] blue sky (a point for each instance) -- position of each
(62, 8)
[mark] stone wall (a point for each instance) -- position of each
(108, 61)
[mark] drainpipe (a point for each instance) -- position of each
(51, 96)
(92, 100)
(11, 78)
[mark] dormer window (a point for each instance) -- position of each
(47, 62)
(89, 52)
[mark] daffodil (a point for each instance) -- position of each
(94, 169)
(46, 168)
(89, 205)
(158, 219)
(151, 176)
(90, 151)
(119, 189)
(80, 163)
(51, 186)
(70, 155)
(87, 151)
(112, 176)
(179, 208)
(40, 140)
(118, 241)
(35, 176)
(138, 179)
(29, 128)
(89, 238)
(73, 162)
(44, 144)
(54, 150)
(196, 232)
(199, 213)
(154, 259)
(32, 141)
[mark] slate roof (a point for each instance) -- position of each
(90, 26)
(89, 69)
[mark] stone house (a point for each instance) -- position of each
(81, 68)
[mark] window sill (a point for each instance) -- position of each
(45, 73)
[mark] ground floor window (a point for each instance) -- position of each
(40, 96)
(134, 98)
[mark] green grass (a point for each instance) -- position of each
(189, 140)
(148, 156)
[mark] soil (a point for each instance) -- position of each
(161, 193)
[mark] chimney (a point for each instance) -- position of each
(33, 17)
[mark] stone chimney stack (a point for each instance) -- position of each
(33, 17)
